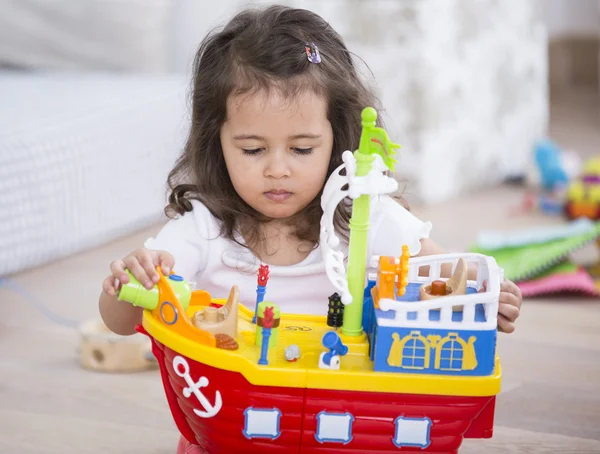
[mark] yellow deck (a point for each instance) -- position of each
(355, 374)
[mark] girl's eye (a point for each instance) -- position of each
(303, 150)
(251, 152)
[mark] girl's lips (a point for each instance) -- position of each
(278, 196)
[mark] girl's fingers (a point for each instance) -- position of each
(505, 325)
(513, 289)
(110, 286)
(509, 312)
(138, 271)
(517, 293)
(167, 261)
(483, 287)
(509, 299)
(142, 265)
(117, 269)
(146, 260)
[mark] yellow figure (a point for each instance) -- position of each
(468, 360)
(397, 353)
(395, 356)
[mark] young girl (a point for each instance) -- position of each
(276, 101)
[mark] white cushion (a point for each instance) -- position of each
(83, 159)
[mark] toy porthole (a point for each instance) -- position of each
(173, 316)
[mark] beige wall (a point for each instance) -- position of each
(574, 47)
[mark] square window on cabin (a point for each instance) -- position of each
(262, 423)
(334, 427)
(412, 432)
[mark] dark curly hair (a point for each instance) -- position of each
(264, 49)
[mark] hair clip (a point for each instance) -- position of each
(312, 53)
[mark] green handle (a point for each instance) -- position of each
(135, 293)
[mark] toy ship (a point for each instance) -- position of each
(405, 359)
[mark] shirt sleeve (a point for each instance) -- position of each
(393, 226)
(186, 238)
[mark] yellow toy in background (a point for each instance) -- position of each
(583, 194)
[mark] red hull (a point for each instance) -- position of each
(453, 418)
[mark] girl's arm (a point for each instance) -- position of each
(430, 247)
(119, 316)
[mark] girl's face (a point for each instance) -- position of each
(277, 150)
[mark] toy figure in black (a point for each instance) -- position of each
(335, 313)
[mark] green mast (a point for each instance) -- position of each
(373, 140)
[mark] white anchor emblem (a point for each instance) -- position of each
(194, 388)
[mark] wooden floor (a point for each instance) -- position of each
(550, 401)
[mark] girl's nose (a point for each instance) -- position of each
(277, 165)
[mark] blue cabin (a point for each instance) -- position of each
(445, 335)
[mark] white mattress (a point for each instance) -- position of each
(83, 159)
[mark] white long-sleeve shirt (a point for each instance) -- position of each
(215, 263)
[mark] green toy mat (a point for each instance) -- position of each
(529, 261)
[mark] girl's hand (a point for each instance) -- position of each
(509, 306)
(142, 264)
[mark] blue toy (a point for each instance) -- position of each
(547, 157)
(267, 324)
(264, 348)
(331, 359)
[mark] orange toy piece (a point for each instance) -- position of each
(386, 277)
(200, 298)
(402, 271)
(170, 312)
(387, 273)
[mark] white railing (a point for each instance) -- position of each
(487, 271)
